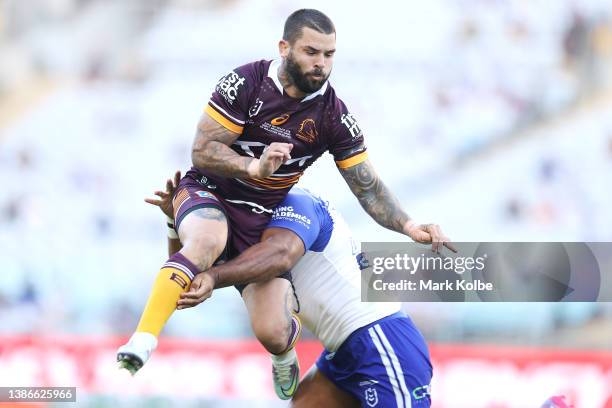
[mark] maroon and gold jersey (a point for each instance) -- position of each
(250, 101)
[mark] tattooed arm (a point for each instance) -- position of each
(211, 151)
(375, 198)
(382, 205)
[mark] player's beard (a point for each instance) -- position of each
(303, 81)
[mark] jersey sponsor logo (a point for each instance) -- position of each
(288, 213)
(350, 122)
(371, 397)
(229, 85)
(280, 120)
(299, 160)
(307, 131)
(254, 110)
(247, 148)
(368, 382)
(330, 356)
(206, 194)
(277, 130)
(256, 208)
(421, 392)
(204, 181)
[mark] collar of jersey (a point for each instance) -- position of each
(273, 73)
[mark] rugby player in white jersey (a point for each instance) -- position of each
(374, 355)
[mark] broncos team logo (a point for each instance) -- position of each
(308, 131)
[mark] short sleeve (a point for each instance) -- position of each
(229, 102)
(346, 138)
(297, 213)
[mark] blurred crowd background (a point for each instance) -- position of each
(490, 117)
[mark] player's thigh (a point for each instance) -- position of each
(203, 234)
(269, 303)
(316, 390)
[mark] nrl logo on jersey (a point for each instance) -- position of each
(371, 397)
(255, 108)
(307, 131)
(229, 85)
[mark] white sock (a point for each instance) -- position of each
(286, 358)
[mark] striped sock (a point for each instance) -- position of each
(173, 279)
(296, 330)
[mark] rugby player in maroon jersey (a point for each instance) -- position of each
(266, 122)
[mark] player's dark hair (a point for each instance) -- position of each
(310, 18)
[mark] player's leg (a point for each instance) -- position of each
(316, 390)
(271, 310)
(384, 364)
(398, 368)
(202, 229)
(270, 305)
(203, 234)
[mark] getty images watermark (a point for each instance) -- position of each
(498, 272)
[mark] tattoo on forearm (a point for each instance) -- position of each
(374, 196)
(212, 151)
(221, 159)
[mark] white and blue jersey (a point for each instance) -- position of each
(372, 350)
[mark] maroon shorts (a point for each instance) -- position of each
(245, 223)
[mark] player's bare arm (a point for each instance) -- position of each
(211, 151)
(278, 251)
(382, 205)
(375, 198)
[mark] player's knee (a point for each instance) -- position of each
(203, 249)
(273, 334)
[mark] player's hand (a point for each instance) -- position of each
(165, 197)
(201, 289)
(429, 234)
(271, 159)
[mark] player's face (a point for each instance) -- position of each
(309, 59)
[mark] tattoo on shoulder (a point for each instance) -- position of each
(374, 196)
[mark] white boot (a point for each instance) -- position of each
(136, 352)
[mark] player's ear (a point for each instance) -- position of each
(283, 48)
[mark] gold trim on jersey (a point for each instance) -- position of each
(223, 121)
(274, 183)
(352, 161)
